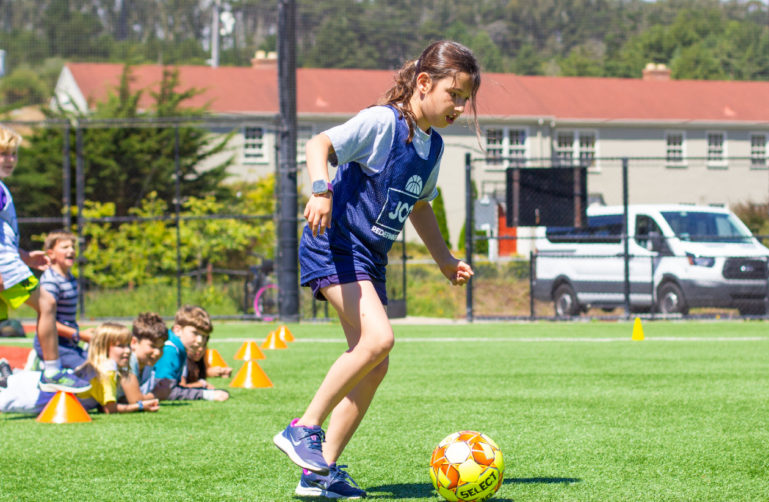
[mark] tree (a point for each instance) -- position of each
(126, 162)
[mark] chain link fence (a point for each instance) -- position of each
(655, 237)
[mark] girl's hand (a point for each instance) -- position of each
(151, 404)
(458, 272)
(318, 213)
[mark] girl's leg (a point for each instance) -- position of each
(362, 311)
(348, 414)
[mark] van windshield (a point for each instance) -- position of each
(700, 226)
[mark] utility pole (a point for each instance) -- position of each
(288, 242)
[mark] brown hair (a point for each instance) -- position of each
(9, 139)
(57, 235)
(439, 60)
(192, 315)
(149, 325)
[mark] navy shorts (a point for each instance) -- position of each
(71, 356)
(321, 282)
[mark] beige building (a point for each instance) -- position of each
(701, 142)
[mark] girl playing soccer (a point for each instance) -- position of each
(388, 158)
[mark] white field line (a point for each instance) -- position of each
(456, 339)
(519, 340)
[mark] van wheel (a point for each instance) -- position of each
(670, 300)
(565, 301)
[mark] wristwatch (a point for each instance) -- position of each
(321, 187)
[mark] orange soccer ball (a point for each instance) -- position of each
(467, 466)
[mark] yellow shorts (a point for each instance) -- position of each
(16, 295)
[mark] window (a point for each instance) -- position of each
(716, 148)
(758, 150)
(580, 145)
(253, 144)
(506, 147)
(600, 229)
(674, 152)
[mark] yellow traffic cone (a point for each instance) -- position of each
(249, 351)
(273, 341)
(638, 331)
(214, 359)
(64, 408)
(285, 334)
(251, 376)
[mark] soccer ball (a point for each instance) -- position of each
(467, 466)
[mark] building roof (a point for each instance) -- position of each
(254, 90)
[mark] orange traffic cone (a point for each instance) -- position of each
(284, 334)
(214, 359)
(64, 408)
(251, 376)
(248, 351)
(273, 341)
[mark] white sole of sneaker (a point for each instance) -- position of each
(286, 447)
(312, 491)
(52, 387)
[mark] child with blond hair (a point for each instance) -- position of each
(108, 358)
(19, 283)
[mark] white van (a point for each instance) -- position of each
(681, 256)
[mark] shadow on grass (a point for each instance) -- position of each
(542, 481)
(407, 491)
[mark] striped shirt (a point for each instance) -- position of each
(64, 290)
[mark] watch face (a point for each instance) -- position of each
(319, 186)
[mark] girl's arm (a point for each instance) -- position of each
(318, 208)
(146, 405)
(423, 219)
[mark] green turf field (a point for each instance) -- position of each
(579, 410)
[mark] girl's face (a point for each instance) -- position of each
(441, 102)
(8, 159)
(120, 354)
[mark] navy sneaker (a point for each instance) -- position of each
(63, 381)
(303, 445)
(337, 484)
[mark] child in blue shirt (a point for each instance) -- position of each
(192, 326)
(388, 158)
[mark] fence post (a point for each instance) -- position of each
(625, 234)
(80, 201)
(469, 232)
(288, 253)
(66, 180)
(178, 211)
(532, 268)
